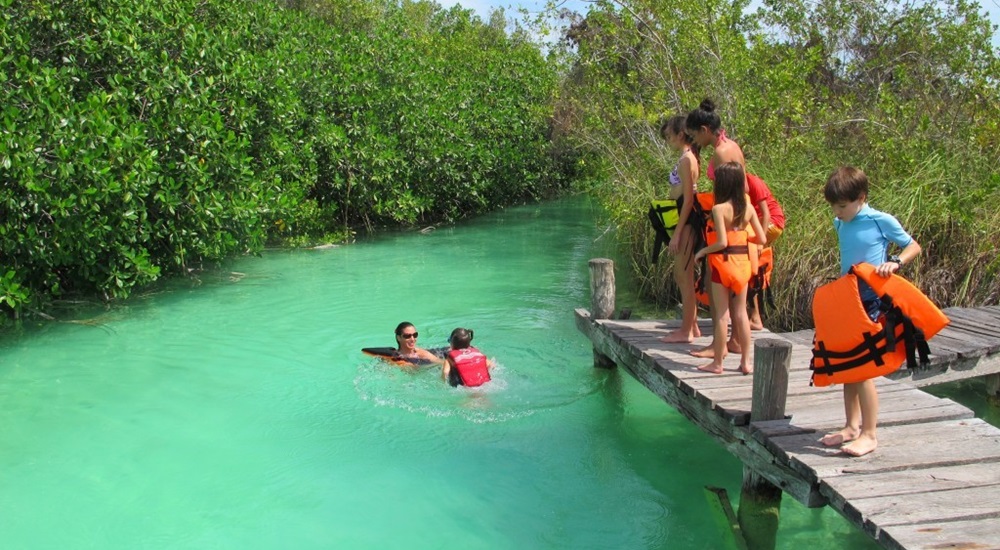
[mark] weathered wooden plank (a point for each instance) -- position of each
(906, 408)
(985, 331)
(937, 506)
(945, 345)
(946, 443)
(961, 369)
(969, 345)
(981, 317)
(800, 337)
(905, 482)
(981, 534)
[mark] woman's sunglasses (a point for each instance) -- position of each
(409, 335)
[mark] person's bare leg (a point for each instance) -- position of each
(867, 441)
(719, 296)
(852, 412)
(684, 275)
(756, 323)
(733, 345)
(741, 330)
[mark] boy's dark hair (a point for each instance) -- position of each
(730, 184)
(460, 338)
(846, 184)
(704, 115)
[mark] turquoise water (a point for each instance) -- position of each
(238, 412)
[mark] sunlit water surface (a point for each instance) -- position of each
(240, 413)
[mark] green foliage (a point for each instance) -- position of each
(139, 138)
(908, 92)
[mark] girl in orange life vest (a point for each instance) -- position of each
(465, 365)
(705, 128)
(863, 235)
(683, 186)
(730, 263)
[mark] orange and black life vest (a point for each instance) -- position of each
(760, 280)
(733, 262)
(849, 347)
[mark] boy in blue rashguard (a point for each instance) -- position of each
(863, 235)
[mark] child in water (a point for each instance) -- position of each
(863, 235)
(465, 365)
(729, 262)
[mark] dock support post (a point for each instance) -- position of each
(760, 500)
(993, 388)
(602, 299)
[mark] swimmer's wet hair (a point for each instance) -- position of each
(460, 338)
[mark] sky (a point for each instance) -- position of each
(483, 7)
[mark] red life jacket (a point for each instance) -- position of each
(472, 366)
(849, 347)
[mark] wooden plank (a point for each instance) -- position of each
(905, 482)
(981, 534)
(945, 443)
(983, 317)
(985, 331)
(961, 369)
(969, 345)
(967, 503)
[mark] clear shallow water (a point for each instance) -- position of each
(240, 413)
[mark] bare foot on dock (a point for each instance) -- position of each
(678, 337)
(861, 446)
(756, 325)
(704, 353)
(712, 368)
(733, 347)
(834, 439)
(746, 369)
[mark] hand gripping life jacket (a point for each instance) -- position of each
(849, 347)
(663, 216)
(472, 366)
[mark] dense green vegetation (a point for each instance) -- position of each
(143, 138)
(909, 92)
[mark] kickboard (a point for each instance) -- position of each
(389, 354)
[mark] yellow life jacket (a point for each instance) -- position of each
(849, 347)
(663, 216)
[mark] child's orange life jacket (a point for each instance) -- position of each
(849, 347)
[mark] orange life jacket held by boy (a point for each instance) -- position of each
(849, 347)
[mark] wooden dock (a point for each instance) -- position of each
(933, 482)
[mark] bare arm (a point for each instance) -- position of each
(428, 356)
(445, 369)
(765, 215)
(908, 254)
(760, 237)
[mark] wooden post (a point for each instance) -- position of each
(993, 388)
(602, 299)
(760, 501)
